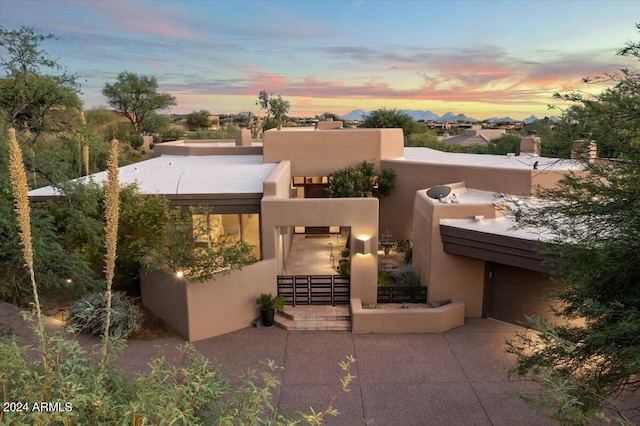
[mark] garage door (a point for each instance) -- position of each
(511, 293)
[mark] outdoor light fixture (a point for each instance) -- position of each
(363, 245)
(179, 274)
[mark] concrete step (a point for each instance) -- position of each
(319, 313)
(312, 324)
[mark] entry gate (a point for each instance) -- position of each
(314, 289)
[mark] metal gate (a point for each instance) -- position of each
(314, 289)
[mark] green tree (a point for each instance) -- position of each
(390, 118)
(363, 181)
(504, 145)
(155, 124)
(427, 138)
(136, 97)
(592, 354)
(275, 109)
(198, 120)
(30, 100)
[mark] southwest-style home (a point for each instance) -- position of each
(265, 191)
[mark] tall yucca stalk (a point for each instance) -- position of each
(112, 203)
(23, 215)
(85, 159)
(82, 147)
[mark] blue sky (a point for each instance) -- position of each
(481, 58)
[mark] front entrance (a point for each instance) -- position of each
(314, 289)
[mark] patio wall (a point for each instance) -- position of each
(433, 320)
(202, 310)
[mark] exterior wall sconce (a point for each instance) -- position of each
(363, 245)
(179, 275)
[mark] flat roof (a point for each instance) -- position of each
(523, 161)
(182, 175)
(504, 226)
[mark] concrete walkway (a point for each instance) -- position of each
(454, 378)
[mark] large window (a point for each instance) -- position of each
(209, 227)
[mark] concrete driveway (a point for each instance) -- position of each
(455, 378)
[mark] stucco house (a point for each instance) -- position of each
(266, 190)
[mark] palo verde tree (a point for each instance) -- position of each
(275, 109)
(587, 362)
(136, 97)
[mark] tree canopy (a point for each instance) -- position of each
(30, 99)
(589, 358)
(275, 107)
(136, 97)
(363, 181)
(199, 119)
(390, 118)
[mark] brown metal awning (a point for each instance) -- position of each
(502, 249)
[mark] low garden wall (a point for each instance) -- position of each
(425, 320)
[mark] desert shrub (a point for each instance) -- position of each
(194, 392)
(406, 277)
(172, 134)
(384, 278)
(136, 141)
(89, 314)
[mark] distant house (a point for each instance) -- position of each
(475, 136)
(265, 191)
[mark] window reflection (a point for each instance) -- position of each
(208, 228)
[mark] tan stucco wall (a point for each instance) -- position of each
(166, 296)
(322, 152)
(435, 320)
(199, 147)
(396, 210)
(448, 276)
(203, 310)
(228, 303)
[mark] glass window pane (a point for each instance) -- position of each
(251, 232)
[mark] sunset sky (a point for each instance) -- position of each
(480, 58)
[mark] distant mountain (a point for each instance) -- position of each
(355, 115)
(451, 117)
(324, 115)
(501, 120)
(358, 115)
(421, 115)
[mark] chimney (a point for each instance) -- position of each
(243, 137)
(530, 144)
(585, 150)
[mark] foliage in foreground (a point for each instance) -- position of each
(89, 315)
(196, 392)
(590, 360)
